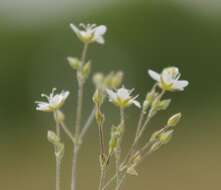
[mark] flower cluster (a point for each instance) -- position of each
(108, 86)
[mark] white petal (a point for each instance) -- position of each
(181, 84)
(99, 39)
(75, 29)
(112, 95)
(136, 103)
(123, 93)
(154, 75)
(100, 30)
(42, 106)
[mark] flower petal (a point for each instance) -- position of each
(123, 93)
(99, 40)
(75, 29)
(112, 95)
(42, 106)
(100, 30)
(154, 75)
(136, 103)
(180, 85)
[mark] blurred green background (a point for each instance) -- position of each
(35, 40)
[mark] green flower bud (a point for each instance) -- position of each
(60, 117)
(99, 117)
(86, 70)
(151, 96)
(166, 136)
(155, 146)
(131, 170)
(98, 97)
(98, 79)
(53, 138)
(74, 62)
(174, 120)
(117, 79)
(161, 105)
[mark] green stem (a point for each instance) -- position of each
(118, 149)
(78, 121)
(58, 160)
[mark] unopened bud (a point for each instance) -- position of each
(151, 96)
(174, 120)
(161, 105)
(131, 170)
(60, 117)
(98, 97)
(86, 70)
(166, 136)
(98, 79)
(99, 117)
(155, 146)
(53, 138)
(117, 79)
(74, 62)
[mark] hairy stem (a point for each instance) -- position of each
(67, 131)
(111, 180)
(78, 121)
(102, 178)
(141, 131)
(118, 149)
(87, 124)
(58, 160)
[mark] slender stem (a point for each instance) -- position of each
(118, 149)
(141, 131)
(80, 94)
(67, 131)
(87, 124)
(140, 121)
(102, 178)
(58, 160)
(110, 181)
(121, 181)
(58, 173)
(101, 135)
(78, 121)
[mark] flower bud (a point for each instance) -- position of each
(53, 138)
(166, 136)
(161, 105)
(98, 97)
(174, 120)
(151, 96)
(98, 79)
(117, 79)
(131, 170)
(99, 117)
(86, 70)
(74, 62)
(155, 146)
(60, 117)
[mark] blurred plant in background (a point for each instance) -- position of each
(110, 86)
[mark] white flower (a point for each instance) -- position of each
(55, 101)
(122, 97)
(169, 79)
(90, 33)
